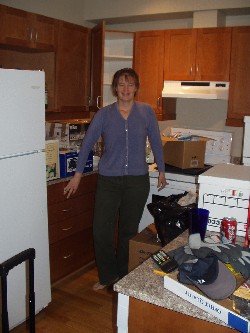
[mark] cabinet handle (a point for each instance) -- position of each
(191, 69)
(159, 101)
(68, 256)
(36, 36)
(66, 229)
(67, 210)
(31, 34)
(97, 102)
(197, 69)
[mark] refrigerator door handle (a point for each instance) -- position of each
(25, 153)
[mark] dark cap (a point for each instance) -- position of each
(210, 275)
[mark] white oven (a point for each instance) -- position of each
(177, 184)
(179, 181)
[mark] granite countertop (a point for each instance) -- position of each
(143, 284)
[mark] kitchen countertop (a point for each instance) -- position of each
(143, 284)
(60, 180)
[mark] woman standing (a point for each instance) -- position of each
(123, 180)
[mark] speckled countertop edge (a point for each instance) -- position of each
(143, 284)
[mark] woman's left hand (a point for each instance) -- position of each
(161, 181)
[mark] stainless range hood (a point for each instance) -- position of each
(196, 89)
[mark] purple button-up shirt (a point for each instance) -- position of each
(124, 141)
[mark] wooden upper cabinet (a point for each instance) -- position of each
(197, 54)
(148, 63)
(27, 30)
(14, 27)
(45, 32)
(72, 68)
(213, 54)
(97, 66)
(180, 54)
(239, 97)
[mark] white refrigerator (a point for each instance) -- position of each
(23, 194)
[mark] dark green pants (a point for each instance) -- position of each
(117, 199)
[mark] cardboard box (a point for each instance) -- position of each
(68, 160)
(142, 246)
(70, 133)
(184, 154)
(52, 159)
(241, 299)
(222, 310)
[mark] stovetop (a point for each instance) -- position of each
(177, 174)
(190, 171)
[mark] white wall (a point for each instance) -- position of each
(67, 10)
(179, 13)
(95, 9)
(208, 115)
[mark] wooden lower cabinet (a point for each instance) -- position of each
(70, 254)
(70, 227)
(148, 318)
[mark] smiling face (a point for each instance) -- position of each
(123, 76)
(126, 88)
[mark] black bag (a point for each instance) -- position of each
(170, 218)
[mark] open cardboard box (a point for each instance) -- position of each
(223, 309)
(184, 154)
(142, 246)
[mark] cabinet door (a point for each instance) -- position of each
(213, 54)
(97, 66)
(70, 226)
(70, 254)
(197, 54)
(55, 192)
(15, 27)
(72, 68)
(44, 32)
(180, 53)
(70, 207)
(27, 30)
(148, 63)
(239, 97)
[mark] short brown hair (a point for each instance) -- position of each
(126, 72)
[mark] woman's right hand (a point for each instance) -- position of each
(72, 185)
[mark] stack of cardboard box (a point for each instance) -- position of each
(69, 135)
